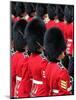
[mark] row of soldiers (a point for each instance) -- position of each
(42, 50)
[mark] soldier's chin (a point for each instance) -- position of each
(61, 56)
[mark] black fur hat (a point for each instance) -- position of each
(54, 43)
(29, 8)
(18, 35)
(41, 10)
(12, 29)
(69, 13)
(20, 9)
(13, 10)
(51, 9)
(60, 12)
(34, 34)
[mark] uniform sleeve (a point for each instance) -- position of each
(26, 83)
(70, 47)
(64, 85)
(13, 78)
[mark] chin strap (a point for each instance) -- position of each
(40, 45)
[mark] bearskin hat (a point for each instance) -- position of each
(41, 10)
(60, 12)
(13, 10)
(34, 34)
(20, 9)
(18, 35)
(51, 10)
(29, 8)
(54, 43)
(12, 29)
(69, 13)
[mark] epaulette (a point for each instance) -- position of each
(60, 65)
(43, 56)
(25, 54)
(13, 52)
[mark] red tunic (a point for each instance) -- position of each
(57, 79)
(70, 47)
(34, 66)
(15, 19)
(38, 87)
(69, 31)
(26, 83)
(30, 19)
(17, 60)
(50, 24)
(61, 26)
